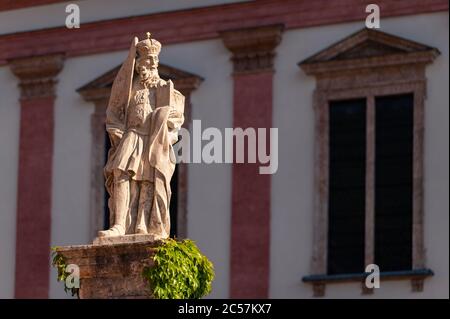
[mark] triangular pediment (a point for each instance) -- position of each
(102, 85)
(368, 44)
(367, 49)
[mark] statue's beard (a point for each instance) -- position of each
(150, 77)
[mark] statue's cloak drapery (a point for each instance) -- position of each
(162, 159)
(116, 113)
(121, 93)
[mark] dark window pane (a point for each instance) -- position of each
(393, 182)
(346, 210)
(106, 198)
(174, 203)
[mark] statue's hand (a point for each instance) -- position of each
(175, 119)
(175, 114)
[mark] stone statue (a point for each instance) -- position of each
(143, 118)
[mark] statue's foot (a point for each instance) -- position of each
(113, 231)
(141, 231)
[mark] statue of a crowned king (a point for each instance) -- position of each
(143, 118)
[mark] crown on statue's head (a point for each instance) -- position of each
(148, 46)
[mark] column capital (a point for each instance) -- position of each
(253, 48)
(37, 74)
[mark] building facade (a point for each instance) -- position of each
(362, 119)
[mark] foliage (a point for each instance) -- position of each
(59, 262)
(180, 271)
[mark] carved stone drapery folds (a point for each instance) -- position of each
(367, 64)
(98, 92)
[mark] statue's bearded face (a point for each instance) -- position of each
(147, 67)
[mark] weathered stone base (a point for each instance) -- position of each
(134, 238)
(112, 270)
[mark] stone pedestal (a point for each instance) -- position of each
(112, 270)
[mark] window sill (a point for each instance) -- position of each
(417, 277)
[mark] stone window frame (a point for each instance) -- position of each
(97, 92)
(367, 64)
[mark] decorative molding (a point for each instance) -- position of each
(366, 43)
(319, 289)
(94, 94)
(204, 23)
(367, 64)
(369, 238)
(418, 254)
(37, 74)
(320, 216)
(253, 48)
(416, 276)
(98, 91)
(366, 49)
(417, 284)
(100, 87)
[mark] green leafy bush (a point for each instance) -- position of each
(181, 271)
(59, 262)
